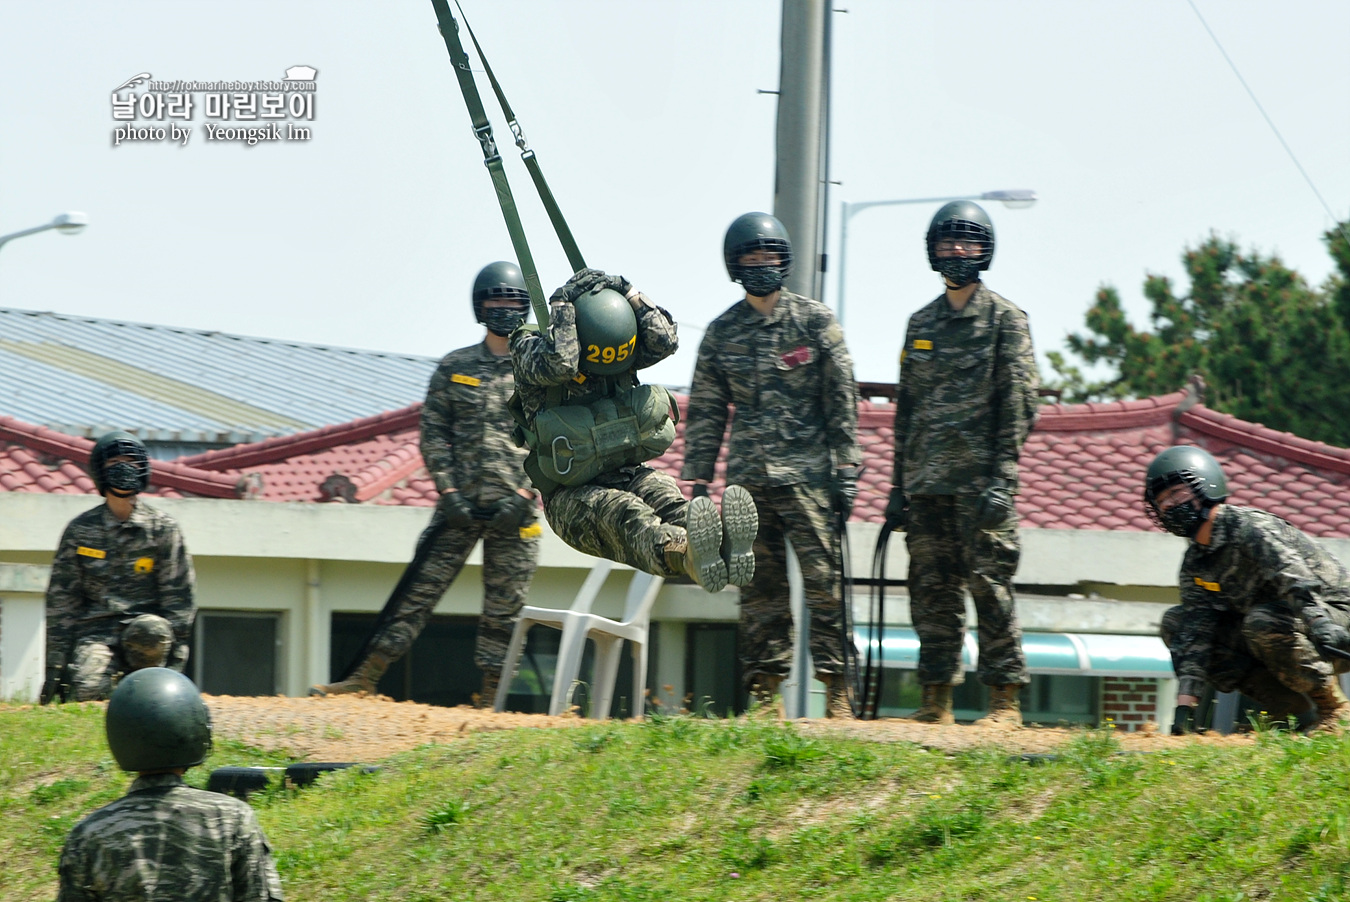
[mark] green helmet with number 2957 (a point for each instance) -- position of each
(606, 331)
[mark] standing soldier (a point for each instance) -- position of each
(966, 402)
(120, 594)
(163, 839)
(1264, 608)
(590, 425)
(484, 494)
(781, 359)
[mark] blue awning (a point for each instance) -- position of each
(1085, 654)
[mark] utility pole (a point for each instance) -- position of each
(799, 199)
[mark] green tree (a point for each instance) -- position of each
(1271, 348)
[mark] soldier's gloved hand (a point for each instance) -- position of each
(700, 490)
(845, 491)
(582, 281)
(1183, 720)
(1327, 633)
(897, 511)
(995, 507)
(511, 513)
(619, 284)
(456, 510)
(51, 687)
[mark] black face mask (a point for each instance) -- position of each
(123, 479)
(960, 271)
(761, 281)
(1183, 519)
(503, 320)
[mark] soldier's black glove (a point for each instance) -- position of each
(1326, 633)
(699, 491)
(845, 490)
(582, 281)
(457, 511)
(619, 284)
(897, 511)
(511, 513)
(1183, 720)
(51, 687)
(995, 507)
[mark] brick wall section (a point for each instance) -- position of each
(1130, 702)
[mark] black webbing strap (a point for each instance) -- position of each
(555, 215)
(482, 130)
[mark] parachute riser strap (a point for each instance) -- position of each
(555, 215)
(482, 131)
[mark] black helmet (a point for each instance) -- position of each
(961, 219)
(127, 478)
(157, 720)
(606, 332)
(757, 232)
(501, 280)
(1192, 467)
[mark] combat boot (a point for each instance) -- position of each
(764, 692)
(1005, 711)
(740, 527)
(1278, 703)
(364, 678)
(487, 696)
(1333, 709)
(935, 706)
(836, 696)
(701, 556)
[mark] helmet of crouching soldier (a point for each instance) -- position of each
(125, 477)
(606, 332)
(752, 232)
(963, 223)
(157, 721)
(501, 281)
(1188, 466)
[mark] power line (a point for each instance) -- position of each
(1283, 143)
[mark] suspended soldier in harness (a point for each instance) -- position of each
(590, 426)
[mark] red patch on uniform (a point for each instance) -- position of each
(796, 357)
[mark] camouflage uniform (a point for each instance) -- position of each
(107, 573)
(966, 402)
(626, 515)
(1242, 598)
(165, 840)
(466, 445)
(790, 378)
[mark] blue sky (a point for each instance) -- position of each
(647, 119)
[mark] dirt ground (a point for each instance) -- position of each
(364, 730)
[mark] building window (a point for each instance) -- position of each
(712, 670)
(236, 653)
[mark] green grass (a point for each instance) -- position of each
(684, 808)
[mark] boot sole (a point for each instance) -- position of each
(704, 528)
(740, 528)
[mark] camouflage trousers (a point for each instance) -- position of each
(801, 514)
(621, 517)
(1270, 640)
(947, 555)
(115, 649)
(509, 562)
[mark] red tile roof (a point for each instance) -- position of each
(1082, 467)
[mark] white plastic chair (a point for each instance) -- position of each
(578, 625)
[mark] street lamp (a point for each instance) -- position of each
(67, 224)
(1013, 198)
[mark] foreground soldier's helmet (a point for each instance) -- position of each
(606, 332)
(1192, 467)
(157, 720)
(961, 220)
(757, 232)
(124, 478)
(501, 280)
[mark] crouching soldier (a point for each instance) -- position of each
(1264, 608)
(589, 425)
(120, 596)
